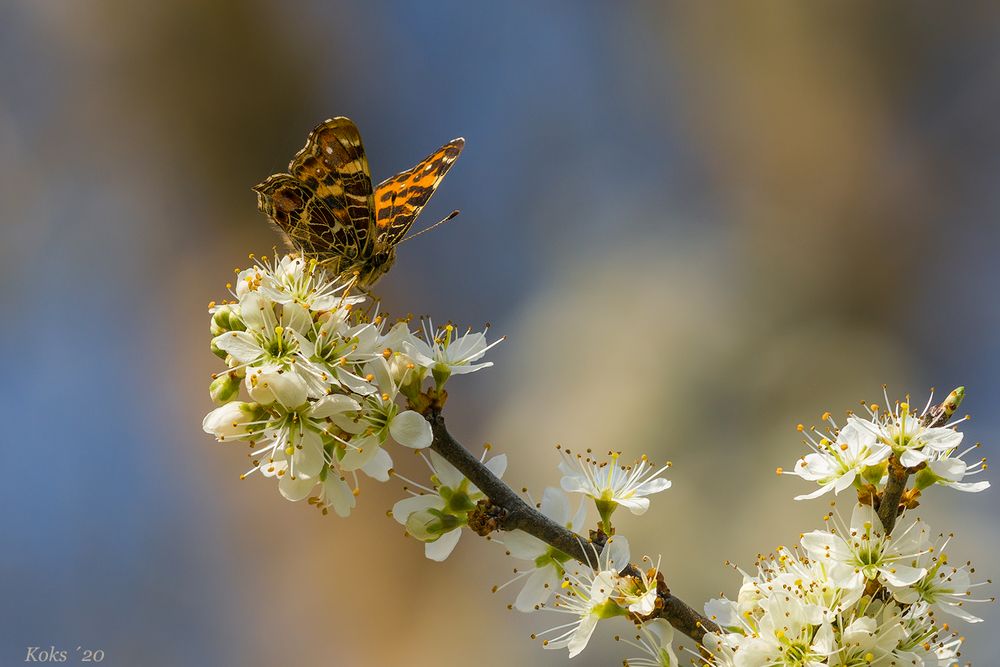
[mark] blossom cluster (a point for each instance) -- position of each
(604, 587)
(858, 454)
(850, 596)
(328, 383)
(318, 383)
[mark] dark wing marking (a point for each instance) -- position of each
(399, 200)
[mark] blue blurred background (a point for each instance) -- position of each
(697, 227)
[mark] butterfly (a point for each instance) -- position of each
(327, 210)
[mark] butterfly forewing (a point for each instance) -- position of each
(324, 205)
(399, 200)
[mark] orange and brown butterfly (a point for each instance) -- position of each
(326, 207)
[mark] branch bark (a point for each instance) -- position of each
(520, 515)
(888, 508)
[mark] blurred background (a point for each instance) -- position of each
(697, 228)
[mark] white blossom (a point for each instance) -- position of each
(865, 547)
(588, 596)
(546, 563)
(611, 484)
(437, 516)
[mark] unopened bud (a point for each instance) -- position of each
(224, 388)
(225, 318)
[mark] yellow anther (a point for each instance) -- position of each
(825, 416)
(800, 428)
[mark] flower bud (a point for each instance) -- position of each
(225, 318)
(218, 351)
(430, 524)
(224, 388)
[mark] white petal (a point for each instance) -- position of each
(653, 486)
(555, 505)
(815, 494)
(410, 429)
(537, 589)
(332, 405)
(378, 468)
(361, 452)
(402, 510)
(447, 474)
(242, 345)
(941, 439)
(524, 546)
(296, 317)
(970, 487)
(497, 465)
(296, 489)
(618, 553)
(845, 481)
(225, 421)
(339, 495)
(912, 457)
(307, 459)
(637, 506)
(902, 575)
(442, 547)
(581, 636)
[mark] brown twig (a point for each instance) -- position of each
(519, 515)
(888, 508)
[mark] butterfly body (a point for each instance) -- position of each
(328, 210)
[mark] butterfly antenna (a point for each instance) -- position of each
(424, 231)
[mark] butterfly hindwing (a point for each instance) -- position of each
(399, 200)
(325, 203)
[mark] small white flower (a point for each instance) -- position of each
(638, 593)
(295, 280)
(945, 587)
(946, 469)
(865, 548)
(790, 633)
(611, 484)
(588, 597)
(234, 421)
(904, 431)
(437, 516)
(547, 563)
(447, 353)
(381, 411)
(836, 464)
